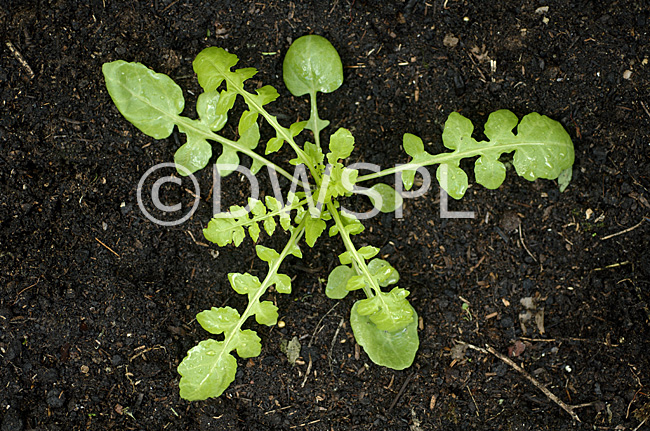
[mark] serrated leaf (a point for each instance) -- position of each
(257, 207)
(269, 226)
(254, 231)
(394, 350)
(341, 145)
(337, 282)
(385, 198)
(452, 179)
(206, 371)
(149, 100)
(218, 320)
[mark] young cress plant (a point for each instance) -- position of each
(384, 322)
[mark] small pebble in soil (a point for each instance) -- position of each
(506, 322)
(55, 398)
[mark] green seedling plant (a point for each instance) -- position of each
(383, 321)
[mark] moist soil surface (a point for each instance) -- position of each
(98, 303)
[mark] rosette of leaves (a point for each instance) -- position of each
(384, 322)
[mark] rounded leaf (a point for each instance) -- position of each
(312, 64)
(149, 100)
(383, 272)
(385, 198)
(248, 344)
(452, 179)
(337, 281)
(206, 371)
(207, 106)
(394, 350)
(457, 133)
(489, 172)
(193, 155)
(218, 320)
(548, 150)
(500, 125)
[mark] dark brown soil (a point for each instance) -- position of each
(90, 337)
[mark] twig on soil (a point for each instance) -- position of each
(475, 405)
(401, 391)
(623, 231)
(277, 410)
(645, 109)
(336, 334)
(521, 237)
(316, 329)
(20, 59)
(25, 290)
(307, 372)
(640, 425)
(109, 249)
(613, 265)
(567, 408)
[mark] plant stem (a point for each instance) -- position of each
(506, 146)
(314, 115)
(273, 269)
(359, 261)
(188, 124)
(283, 131)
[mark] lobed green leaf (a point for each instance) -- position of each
(394, 350)
(218, 320)
(206, 371)
(389, 311)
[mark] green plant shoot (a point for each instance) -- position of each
(384, 323)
